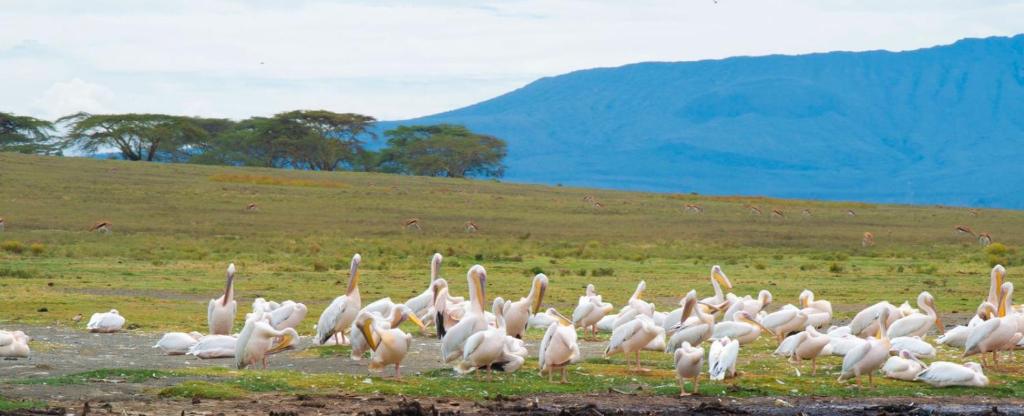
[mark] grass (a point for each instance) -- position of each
(176, 227)
(11, 405)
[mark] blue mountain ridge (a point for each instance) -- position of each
(940, 125)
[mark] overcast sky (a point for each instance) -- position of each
(394, 59)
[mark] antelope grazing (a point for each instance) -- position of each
(471, 227)
(754, 209)
(252, 207)
(101, 226)
(868, 240)
(777, 213)
(589, 198)
(3, 224)
(412, 223)
(694, 208)
(963, 229)
(984, 239)
(598, 205)
(973, 212)
(806, 212)
(851, 213)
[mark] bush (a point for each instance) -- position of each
(581, 272)
(997, 249)
(760, 266)
(319, 266)
(536, 270)
(994, 259)
(37, 248)
(602, 271)
(13, 246)
(835, 268)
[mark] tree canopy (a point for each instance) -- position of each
(136, 136)
(442, 150)
(25, 134)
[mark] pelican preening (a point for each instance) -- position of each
(784, 321)
(259, 339)
(517, 313)
(558, 349)
(14, 344)
(387, 342)
(748, 304)
(904, 366)
(380, 322)
(918, 324)
(632, 337)
(868, 357)
(220, 314)
(722, 359)
(343, 309)
(744, 328)
(999, 333)
(590, 310)
(688, 362)
(454, 338)
(105, 322)
(693, 330)
(805, 345)
(718, 279)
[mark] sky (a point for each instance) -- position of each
(396, 60)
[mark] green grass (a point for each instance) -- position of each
(11, 405)
(177, 226)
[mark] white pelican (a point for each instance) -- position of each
(393, 319)
(258, 340)
(177, 343)
(956, 337)
(998, 333)
(220, 314)
(944, 374)
(841, 344)
(423, 304)
(632, 337)
(518, 313)
(694, 330)
(214, 346)
(261, 305)
(689, 361)
(866, 324)
(996, 278)
(388, 343)
(916, 345)
(607, 324)
(918, 324)
(805, 345)
(14, 344)
(722, 358)
(474, 321)
(590, 311)
(743, 328)
(447, 310)
(343, 309)
(904, 366)
(784, 321)
(868, 357)
(819, 312)
(105, 322)
(718, 279)
(635, 306)
(748, 304)
(559, 348)
(492, 348)
(288, 315)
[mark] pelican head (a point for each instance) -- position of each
(883, 323)
(401, 313)
(806, 297)
(1005, 291)
(926, 298)
(746, 317)
(720, 277)
(986, 311)
(114, 311)
(765, 297)
(231, 279)
(558, 317)
(591, 290)
(435, 266)
(640, 288)
(353, 274)
(477, 277)
(974, 367)
(365, 324)
(540, 285)
(435, 289)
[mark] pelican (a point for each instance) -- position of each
(492, 348)
(722, 358)
(743, 328)
(393, 319)
(423, 304)
(607, 324)
(865, 323)
(944, 374)
(447, 310)
(996, 278)
(956, 337)
(288, 315)
(748, 304)
(14, 344)
(998, 333)
(388, 343)
(214, 346)
(918, 324)
(869, 356)
(220, 314)
(635, 306)
(904, 366)
(689, 361)
(784, 321)
(819, 312)
(841, 344)
(177, 343)
(718, 279)
(343, 309)
(558, 349)
(693, 330)
(913, 344)
(805, 345)
(260, 305)
(632, 337)
(590, 310)
(258, 340)
(105, 322)
(474, 321)
(518, 313)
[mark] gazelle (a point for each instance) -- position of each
(694, 208)
(754, 209)
(973, 212)
(851, 213)
(984, 239)
(101, 226)
(868, 240)
(412, 223)
(3, 224)
(806, 212)
(252, 207)
(777, 213)
(598, 205)
(471, 227)
(963, 229)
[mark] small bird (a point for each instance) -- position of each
(77, 318)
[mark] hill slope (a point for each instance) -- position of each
(936, 125)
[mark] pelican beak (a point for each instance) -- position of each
(353, 273)
(688, 306)
(722, 279)
(416, 320)
(758, 324)
(561, 318)
(283, 344)
(938, 319)
(368, 333)
(480, 283)
(541, 286)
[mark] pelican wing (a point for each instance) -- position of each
(545, 343)
(731, 329)
(854, 356)
(457, 336)
(330, 318)
(980, 332)
(726, 361)
(789, 345)
(911, 324)
(956, 337)
(582, 310)
(946, 373)
(6, 338)
(776, 319)
(624, 332)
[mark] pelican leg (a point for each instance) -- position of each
(814, 366)
(551, 375)
(336, 342)
(490, 373)
(565, 375)
(398, 371)
(995, 360)
(871, 378)
(696, 384)
(682, 386)
(264, 362)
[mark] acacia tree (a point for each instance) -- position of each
(324, 140)
(442, 150)
(25, 134)
(136, 136)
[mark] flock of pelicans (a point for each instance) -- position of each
(880, 337)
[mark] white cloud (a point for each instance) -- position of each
(69, 97)
(398, 59)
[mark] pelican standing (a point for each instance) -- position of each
(718, 279)
(865, 323)
(177, 343)
(423, 304)
(631, 337)
(635, 306)
(806, 345)
(868, 357)
(559, 348)
(518, 313)
(996, 278)
(918, 324)
(722, 358)
(105, 322)
(784, 321)
(904, 366)
(258, 340)
(388, 343)
(748, 304)
(945, 374)
(688, 362)
(393, 319)
(343, 309)
(590, 310)
(492, 348)
(474, 321)
(998, 333)
(220, 314)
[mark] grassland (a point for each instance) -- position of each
(177, 226)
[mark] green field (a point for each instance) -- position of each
(176, 227)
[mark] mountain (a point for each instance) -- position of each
(938, 125)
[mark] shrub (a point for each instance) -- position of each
(13, 246)
(602, 271)
(994, 259)
(760, 266)
(319, 266)
(835, 268)
(37, 248)
(536, 270)
(997, 249)
(581, 272)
